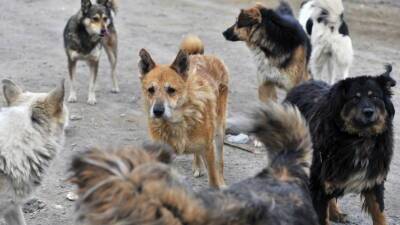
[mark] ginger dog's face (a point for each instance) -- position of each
(163, 86)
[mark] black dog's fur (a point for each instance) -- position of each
(346, 142)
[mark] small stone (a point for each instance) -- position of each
(238, 139)
(58, 207)
(122, 115)
(75, 117)
(72, 196)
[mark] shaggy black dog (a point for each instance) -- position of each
(351, 128)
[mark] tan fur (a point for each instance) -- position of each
(267, 91)
(192, 45)
(372, 207)
(335, 214)
(197, 123)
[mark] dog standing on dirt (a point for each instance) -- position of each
(84, 36)
(279, 44)
(186, 103)
(351, 124)
(31, 134)
(145, 190)
(332, 49)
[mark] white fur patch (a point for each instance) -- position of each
(268, 72)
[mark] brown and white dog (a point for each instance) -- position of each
(186, 103)
(279, 44)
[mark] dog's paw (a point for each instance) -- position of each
(197, 172)
(72, 98)
(91, 101)
(339, 218)
(257, 143)
(115, 90)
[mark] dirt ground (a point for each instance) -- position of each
(32, 54)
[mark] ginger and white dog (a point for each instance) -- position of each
(332, 49)
(31, 133)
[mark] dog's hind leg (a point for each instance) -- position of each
(374, 204)
(111, 46)
(214, 179)
(222, 103)
(72, 74)
(94, 68)
(15, 216)
(197, 165)
(335, 213)
(267, 91)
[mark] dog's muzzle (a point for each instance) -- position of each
(230, 35)
(158, 110)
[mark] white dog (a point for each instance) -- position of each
(332, 50)
(31, 133)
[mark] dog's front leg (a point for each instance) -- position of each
(15, 216)
(214, 178)
(111, 46)
(374, 204)
(267, 91)
(72, 74)
(94, 68)
(320, 202)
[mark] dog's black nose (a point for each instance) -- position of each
(158, 110)
(368, 112)
(230, 35)
(103, 32)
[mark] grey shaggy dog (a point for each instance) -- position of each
(31, 133)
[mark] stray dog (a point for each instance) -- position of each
(279, 44)
(352, 131)
(31, 134)
(132, 186)
(186, 103)
(84, 36)
(332, 49)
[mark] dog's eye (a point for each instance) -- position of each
(171, 90)
(96, 19)
(151, 90)
(105, 19)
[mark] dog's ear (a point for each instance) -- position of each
(11, 91)
(85, 6)
(55, 99)
(146, 63)
(161, 151)
(249, 17)
(385, 80)
(336, 97)
(181, 64)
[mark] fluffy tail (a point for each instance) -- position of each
(132, 186)
(284, 132)
(192, 45)
(284, 9)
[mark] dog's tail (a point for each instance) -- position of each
(192, 45)
(284, 132)
(284, 9)
(132, 186)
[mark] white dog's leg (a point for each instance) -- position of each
(15, 217)
(331, 71)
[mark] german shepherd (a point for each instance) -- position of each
(279, 44)
(186, 103)
(84, 36)
(133, 186)
(31, 133)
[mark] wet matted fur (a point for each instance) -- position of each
(351, 126)
(186, 104)
(130, 186)
(279, 44)
(85, 34)
(31, 133)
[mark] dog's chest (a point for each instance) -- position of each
(266, 70)
(94, 54)
(359, 171)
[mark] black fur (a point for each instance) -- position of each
(343, 29)
(283, 29)
(338, 154)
